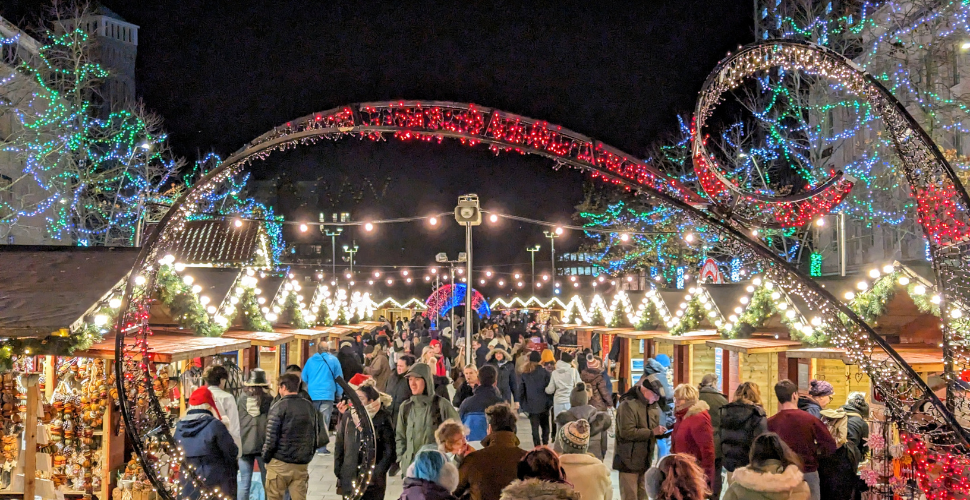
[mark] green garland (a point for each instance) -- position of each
(292, 311)
(871, 304)
(184, 305)
(355, 319)
(323, 314)
(597, 319)
(692, 317)
(571, 311)
(341, 317)
(650, 317)
(619, 319)
(252, 318)
(759, 309)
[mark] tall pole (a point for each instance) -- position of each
(451, 266)
(552, 248)
(841, 236)
(532, 253)
(468, 294)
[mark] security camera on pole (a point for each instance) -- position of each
(468, 214)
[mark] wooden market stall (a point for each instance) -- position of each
(690, 357)
(760, 360)
(302, 344)
(635, 347)
(269, 351)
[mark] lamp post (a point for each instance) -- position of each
(468, 214)
(552, 235)
(351, 250)
(532, 253)
(333, 246)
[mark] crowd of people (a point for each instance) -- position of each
(449, 429)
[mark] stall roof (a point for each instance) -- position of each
(922, 358)
(170, 348)
(216, 283)
(648, 334)
(755, 345)
(261, 339)
(220, 243)
(47, 288)
(302, 333)
(686, 339)
(727, 297)
(611, 331)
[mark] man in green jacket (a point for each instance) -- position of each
(420, 415)
(710, 395)
(637, 427)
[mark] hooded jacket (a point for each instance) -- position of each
(505, 381)
(599, 423)
(838, 477)
(291, 431)
(535, 489)
(561, 382)
(600, 398)
(715, 400)
(319, 373)
(210, 450)
(694, 435)
(589, 476)
(808, 404)
(484, 473)
(346, 454)
(635, 421)
(656, 374)
(379, 367)
(769, 482)
(253, 429)
(349, 362)
(419, 417)
(741, 423)
(857, 427)
(532, 395)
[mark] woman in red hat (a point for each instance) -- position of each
(208, 447)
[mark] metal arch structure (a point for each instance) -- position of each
(906, 393)
(448, 296)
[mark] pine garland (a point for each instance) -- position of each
(597, 319)
(341, 317)
(292, 310)
(693, 315)
(650, 318)
(323, 314)
(184, 305)
(619, 319)
(252, 318)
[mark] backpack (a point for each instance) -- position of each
(837, 422)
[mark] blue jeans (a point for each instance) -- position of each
(813, 485)
(246, 475)
(325, 408)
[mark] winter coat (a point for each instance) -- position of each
(599, 423)
(210, 450)
(857, 428)
(253, 429)
(505, 382)
(588, 475)
(838, 476)
(532, 395)
(481, 353)
(770, 482)
(319, 373)
(561, 382)
(400, 391)
(380, 368)
(462, 392)
(485, 472)
(694, 435)
(635, 442)
(484, 396)
(597, 382)
(808, 404)
(419, 417)
(535, 489)
(666, 391)
(346, 455)
(349, 362)
(715, 400)
(291, 431)
(420, 489)
(741, 422)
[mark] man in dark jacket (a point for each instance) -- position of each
(637, 427)
(208, 447)
(838, 473)
(349, 364)
(291, 438)
(481, 351)
(715, 400)
(473, 408)
(303, 390)
(397, 385)
(485, 472)
(533, 399)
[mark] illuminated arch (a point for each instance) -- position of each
(472, 125)
(448, 296)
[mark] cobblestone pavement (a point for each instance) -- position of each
(323, 483)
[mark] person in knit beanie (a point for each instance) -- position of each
(588, 474)
(208, 447)
(599, 422)
(819, 396)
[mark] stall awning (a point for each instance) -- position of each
(922, 358)
(686, 339)
(302, 333)
(261, 339)
(46, 288)
(754, 346)
(643, 334)
(170, 348)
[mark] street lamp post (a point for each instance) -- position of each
(351, 250)
(552, 235)
(333, 245)
(468, 214)
(532, 253)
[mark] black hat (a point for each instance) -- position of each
(257, 378)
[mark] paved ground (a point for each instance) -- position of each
(323, 483)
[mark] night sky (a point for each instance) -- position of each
(222, 73)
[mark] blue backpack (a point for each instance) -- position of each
(477, 424)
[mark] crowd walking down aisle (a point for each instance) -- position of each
(530, 418)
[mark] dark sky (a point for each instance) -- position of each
(224, 72)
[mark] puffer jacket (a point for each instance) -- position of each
(694, 436)
(838, 477)
(210, 450)
(532, 395)
(635, 442)
(380, 368)
(535, 489)
(349, 362)
(654, 371)
(346, 455)
(561, 382)
(291, 431)
(253, 429)
(589, 475)
(419, 417)
(505, 382)
(600, 398)
(741, 423)
(599, 423)
(715, 400)
(857, 428)
(769, 482)
(808, 404)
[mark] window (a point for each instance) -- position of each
(344, 217)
